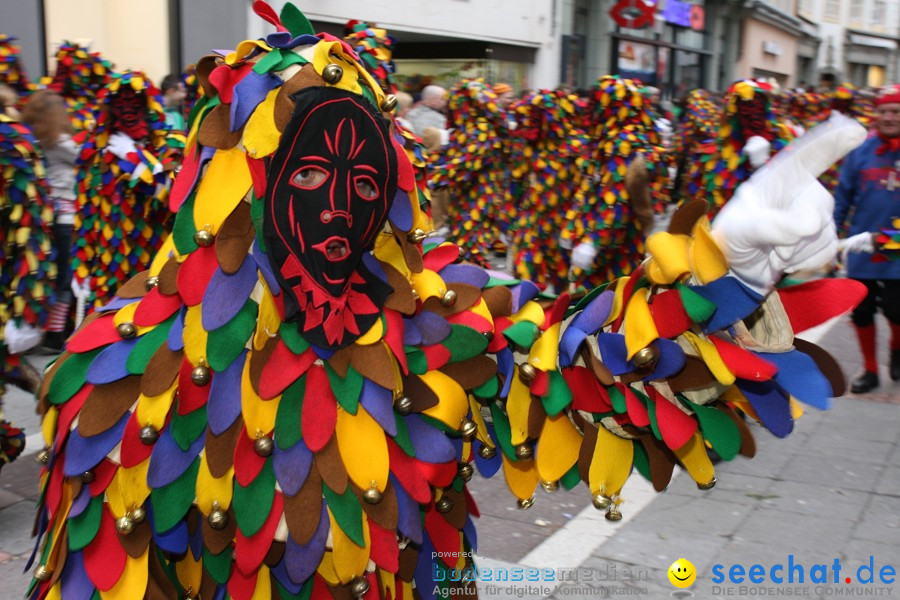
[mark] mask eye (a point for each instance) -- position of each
(365, 187)
(309, 177)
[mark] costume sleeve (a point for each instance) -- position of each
(847, 190)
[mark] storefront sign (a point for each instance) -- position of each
(684, 14)
(634, 14)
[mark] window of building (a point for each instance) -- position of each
(878, 12)
(856, 11)
(833, 9)
(804, 8)
(785, 6)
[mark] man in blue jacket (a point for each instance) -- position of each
(870, 186)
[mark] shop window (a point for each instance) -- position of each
(804, 8)
(856, 11)
(833, 10)
(878, 13)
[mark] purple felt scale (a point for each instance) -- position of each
(279, 572)
(301, 561)
(117, 304)
(81, 502)
(265, 268)
(378, 402)
(168, 462)
(286, 41)
(292, 467)
(225, 396)
(569, 345)
(174, 540)
(734, 301)
(423, 575)
(248, 93)
(227, 294)
(374, 266)
(770, 404)
(522, 293)
(400, 213)
(594, 315)
(799, 375)
(85, 453)
(468, 274)
(109, 366)
(614, 353)
(408, 521)
(411, 334)
(505, 364)
(429, 443)
(433, 328)
(75, 581)
(176, 339)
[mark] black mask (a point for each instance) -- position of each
(331, 183)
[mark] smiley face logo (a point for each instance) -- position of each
(682, 573)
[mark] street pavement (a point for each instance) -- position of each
(831, 490)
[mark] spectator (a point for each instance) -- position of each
(174, 93)
(404, 103)
(429, 112)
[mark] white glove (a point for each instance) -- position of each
(861, 242)
(757, 150)
(780, 220)
(120, 145)
(583, 256)
(20, 338)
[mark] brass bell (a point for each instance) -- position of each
(444, 505)
(601, 501)
(372, 495)
(549, 486)
(359, 587)
(416, 236)
(525, 503)
(151, 282)
(218, 518)
(389, 103)
(42, 573)
(487, 452)
(87, 477)
(708, 485)
(124, 525)
(613, 513)
(138, 515)
(264, 446)
(527, 373)
(403, 405)
(200, 375)
(148, 435)
(189, 594)
(469, 429)
(449, 298)
(203, 238)
(126, 330)
(332, 74)
(43, 457)
(489, 336)
(524, 451)
(466, 471)
(646, 357)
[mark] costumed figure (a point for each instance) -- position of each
(289, 402)
(547, 164)
(26, 268)
(79, 77)
(847, 100)
(613, 211)
(746, 138)
(12, 73)
(191, 87)
(473, 167)
(700, 116)
(124, 167)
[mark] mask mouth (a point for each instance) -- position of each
(335, 249)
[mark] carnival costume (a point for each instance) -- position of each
(289, 401)
(11, 71)
(846, 100)
(26, 268)
(608, 219)
(79, 77)
(122, 212)
(699, 118)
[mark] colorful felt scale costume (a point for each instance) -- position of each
(79, 77)
(547, 165)
(289, 402)
(605, 214)
(11, 71)
(723, 164)
(699, 119)
(25, 259)
(125, 163)
(887, 242)
(473, 167)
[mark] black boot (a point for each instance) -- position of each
(895, 365)
(866, 382)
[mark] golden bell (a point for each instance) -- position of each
(87, 477)
(138, 515)
(264, 446)
(124, 525)
(527, 373)
(359, 587)
(549, 486)
(524, 451)
(708, 485)
(613, 513)
(189, 594)
(203, 238)
(217, 519)
(449, 298)
(43, 457)
(465, 471)
(148, 435)
(487, 452)
(469, 429)
(601, 501)
(416, 237)
(151, 283)
(525, 503)
(372, 495)
(42, 573)
(403, 405)
(489, 336)
(200, 375)
(332, 74)
(126, 330)
(444, 505)
(645, 358)
(389, 104)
